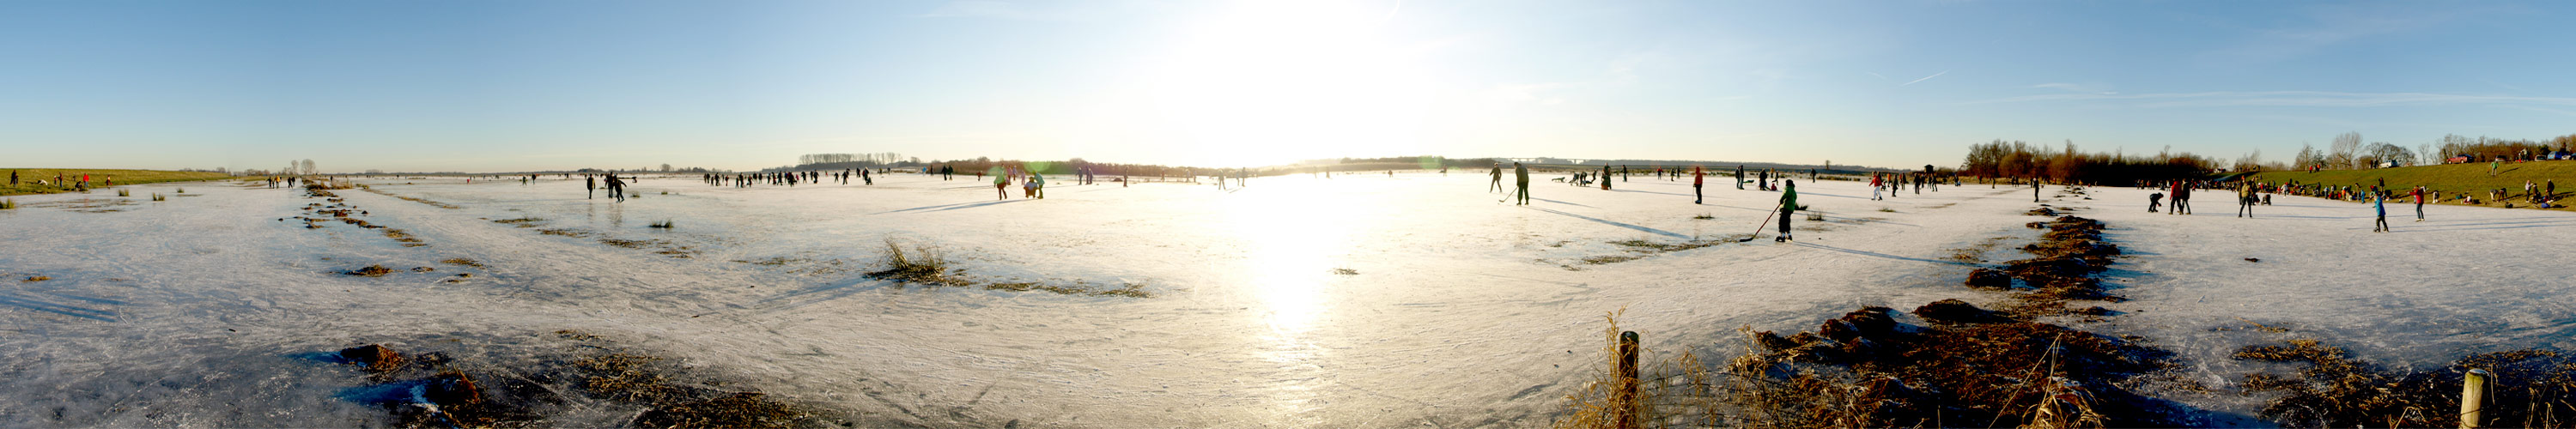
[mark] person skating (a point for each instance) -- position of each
(1696, 180)
(1605, 177)
(1788, 208)
(1520, 177)
(1498, 177)
(1739, 177)
(616, 188)
(2379, 203)
(2153, 201)
(2034, 191)
(2419, 203)
(2245, 199)
(589, 187)
(2184, 199)
(1877, 188)
(1001, 184)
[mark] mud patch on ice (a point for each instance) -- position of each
(927, 265)
(2530, 388)
(87, 205)
(569, 378)
(1964, 367)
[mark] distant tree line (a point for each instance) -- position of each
(2348, 152)
(2021, 160)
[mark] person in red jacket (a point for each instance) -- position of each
(1697, 178)
(1875, 187)
(2419, 203)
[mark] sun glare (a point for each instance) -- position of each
(1272, 82)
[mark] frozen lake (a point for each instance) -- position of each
(1363, 300)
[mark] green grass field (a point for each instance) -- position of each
(2451, 179)
(27, 178)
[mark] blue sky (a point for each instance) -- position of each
(502, 86)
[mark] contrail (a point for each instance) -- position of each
(1925, 78)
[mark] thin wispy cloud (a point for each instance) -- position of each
(2329, 25)
(1925, 78)
(2072, 87)
(2295, 99)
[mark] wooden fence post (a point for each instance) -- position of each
(2473, 398)
(1625, 417)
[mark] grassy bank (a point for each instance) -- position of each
(27, 178)
(2451, 179)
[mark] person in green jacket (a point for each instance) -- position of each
(1520, 177)
(1788, 208)
(1037, 185)
(1001, 183)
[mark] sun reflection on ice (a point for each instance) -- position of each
(1293, 240)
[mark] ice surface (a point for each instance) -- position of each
(1463, 311)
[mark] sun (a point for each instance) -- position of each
(1271, 82)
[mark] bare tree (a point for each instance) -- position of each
(2307, 156)
(666, 168)
(2346, 151)
(2379, 153)
(306, 166)
(2251, 162)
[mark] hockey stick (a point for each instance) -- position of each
(1757, 228)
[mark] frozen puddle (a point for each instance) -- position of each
(1356, 301)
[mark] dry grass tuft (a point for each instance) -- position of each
(370, 271)
(2534, 388)
(1855, 372)
(922, 265)
(1130, 290)
(1601, 403)
(632, 244)
(564, 232)
(1610, 259)
(525, 222)
(741, 410)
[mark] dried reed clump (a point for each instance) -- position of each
(370, 271)
(663, 224)
(1602, 403)
(922, 264)
(2533, 388)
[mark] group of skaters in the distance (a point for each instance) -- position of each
(65, 183)
(1883, 185)
(2542, 194)
(1785, 210)
(792, 178)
